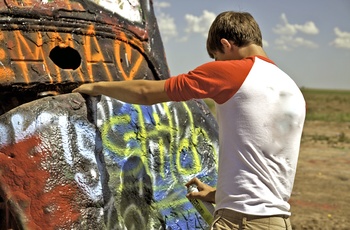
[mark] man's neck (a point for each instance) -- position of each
(251, 50)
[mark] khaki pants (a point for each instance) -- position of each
(225, 219)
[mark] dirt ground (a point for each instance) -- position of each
(321, 194)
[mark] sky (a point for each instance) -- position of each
(308, 39)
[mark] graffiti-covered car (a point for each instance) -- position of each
(69, 161)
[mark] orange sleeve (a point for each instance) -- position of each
(218, 80)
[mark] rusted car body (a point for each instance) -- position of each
(69, 161)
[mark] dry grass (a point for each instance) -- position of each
(327, 105)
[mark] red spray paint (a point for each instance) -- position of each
(23, 181)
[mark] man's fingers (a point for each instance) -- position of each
(195, 181)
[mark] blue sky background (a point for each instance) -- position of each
(308, 39)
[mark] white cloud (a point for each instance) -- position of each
(194, 24)
(288, 34)
(342, 39)
(199, 24)
(291, 29)
(308, 28)
(286, 28)
(160, 5)
(166, 23)
(290, 42)
(167, 26)
(265, 43)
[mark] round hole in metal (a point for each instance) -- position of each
(65, 57)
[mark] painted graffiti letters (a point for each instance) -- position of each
(101, 59)
(69, 161)
(167, 147)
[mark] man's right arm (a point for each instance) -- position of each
(145, 92)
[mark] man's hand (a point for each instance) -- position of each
(86, 89)
(205, 192)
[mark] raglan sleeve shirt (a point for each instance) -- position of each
(260, 113)
(218, 80)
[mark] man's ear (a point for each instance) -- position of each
(226, 44)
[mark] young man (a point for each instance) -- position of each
(260, 112)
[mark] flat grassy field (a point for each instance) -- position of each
(321, 194)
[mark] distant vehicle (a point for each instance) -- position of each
(69, 161)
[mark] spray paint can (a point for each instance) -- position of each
(205, 209)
